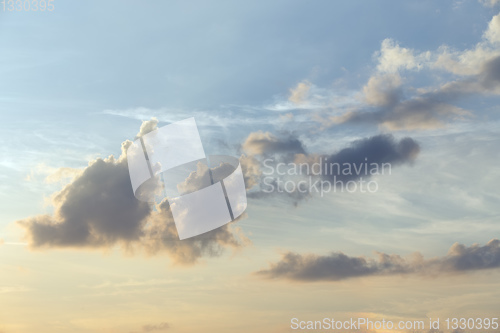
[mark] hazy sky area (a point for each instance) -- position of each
(415, 84)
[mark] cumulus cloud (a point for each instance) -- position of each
(98, 210)
(265, 143)
(147, 126)
(368, 155)
(392, 58)
(339, 266)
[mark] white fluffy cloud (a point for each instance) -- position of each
(392, 58)
(492, 34)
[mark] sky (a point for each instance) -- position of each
(410, 84)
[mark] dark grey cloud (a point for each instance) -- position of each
(486, 82)
(383, 90)
(339, 266)
(291, 197)
(98, 210)
(361, 159)
(158, 327)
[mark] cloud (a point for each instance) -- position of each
(252, 172)
(386, 102)
(147, 126)
(159, 327)
(62, 174)
(98, 210)
(386, 107)
(468, 62)
(265, 143)
(392, 58)
(486, 82)
(360, 159)
(463, 63)
(489, 3)
(13, 289)
(257, 148)
(155, 328)
(51, 174)
(196, 180)
(299, 94)
(418, 113)
(383, 90)
(492, 34)
(373, 152)
(339, 266)
(1, 242)
(160, 236)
